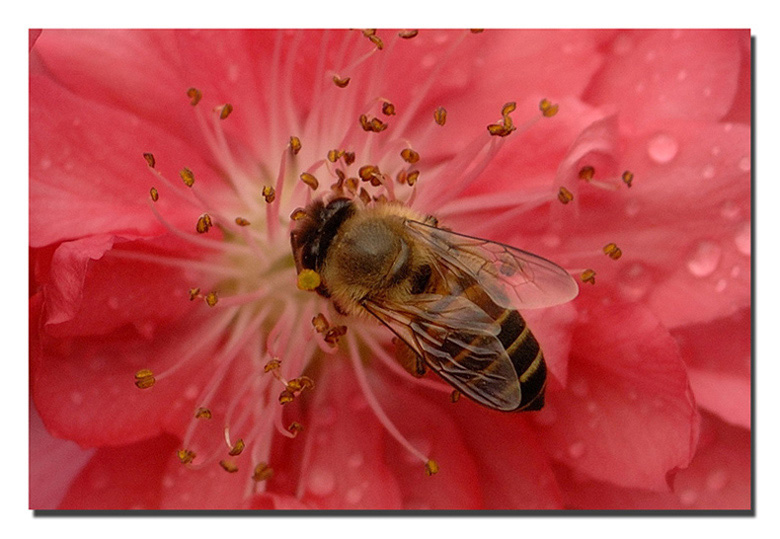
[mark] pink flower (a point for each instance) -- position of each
(650, 144)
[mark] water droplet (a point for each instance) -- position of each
(191, 393)
(113, 302)
(428, 61)
(45, 163)
(744, 164)
(735, 271)
(146, 329)
(704, 259)
(650, 56)
(77, 397)
(682, 75)
(688, 497)
(728, 127)
(717, 480)
(579, 387)
(632, 207)
(720, 286)
(168, 481)
(233, 73)
(354, 495)
(707, 92)
(708, 172)
(576, 450)
(662, 148)
(551, 240)
(592, 407)
(729, 210)
(634, 281)
(322, 482)
(742, 239)
(715, 151)
(355, 460)
(639, 88)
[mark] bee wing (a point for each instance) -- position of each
(457, 340)
(511, 277)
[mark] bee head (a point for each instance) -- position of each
(314, 233)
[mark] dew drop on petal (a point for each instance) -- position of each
(321, 482)
(577, 449)
(77, 397)
(551, 240)
(45, 163)
(354, 495)
(708, 172)
(682, 75)
(742, 239)
(704, 259)
(662, 148)
(632, 208)
(634, 281)
(707, 92)
(720, 286)
(744, 164)
(113, 303)
(191, 393)
(355, 460)
(168, 481)
(688, 497)
(717, 480)
(592, 407)
(729, 210)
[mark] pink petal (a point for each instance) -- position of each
(127, 477)
(627, 415)
(653, 75)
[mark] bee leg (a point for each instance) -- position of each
(430, 220)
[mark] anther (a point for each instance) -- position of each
(565, 196)
(286, 397)
(508, 108)
(272, 365)
(476, 30)
(628, 177)
(373, 125)
(295, 145)
(185, 455)
(333, 155)
(194, 293)
(588, 276)
(613, 251)
(341, 82)
(411, 177)
(269, 194)
(408, 34)
(548, 108)
(203, 413)
(295, 428)
(309, 180)
(144, 379)
(237, 448)
(352, 185)
(431, 467)
(320, 323)
(149, 159)
(368, 172)
(308, 280)
(194, 95)
(299, 384)
(225, 110)
(586, 173)
(187, 176)
(364, 196)
(410, 156)
(388, 109)
(349, 157)
(440, 115)
(262, 472)
(154, 194)
(229, 466)
(332, 334)
(297, 214)
(376, 41)
(204, 223)
(455, 395)
(211, 299)
(240, 221)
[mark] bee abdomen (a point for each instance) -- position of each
(526, 355)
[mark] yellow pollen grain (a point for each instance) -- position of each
(309, 280)
(194, 293)
(341, 82)
(295, 145)
(187, 177)
(565, 196)
(229, 466)
(211, 299)
(548, 108)
(613, 251)
(440, 115)
(262, 472)
(588, 276)
(310, 180)
(204, 224)
(586, 173)
(225, 110)
(144, 379)
(388, 109)
(240, 221)
(628, 177)
(194, 95)
(410, 156)
(154, 194)
(237, 448)
(269, 194)
(149, 159)
(408, 34)
(185, 455)
(203, 413)
(431, 467)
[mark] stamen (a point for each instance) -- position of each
(240, 221)
(586, 173)
(548, 109)
(262, 472)
(377, 408)
(204, 223)
(295, 145)
(410, 156)
(154, 194)
(332, 334)
(229, 466)
(588, 276)
(431, 467)
(628, 177)
(269, 194)
(149, 159)
(186, 456)
(408, 34)
(187, 177)
(237, 448)
(194, 95)
(144, 379)
(211, 299)
(224, 110)
(310, 180)
(388, 109)
(320, 323)
(298, 214)
(440, 115)
(194, 293)
(295, 428)
(203, 413)
(341, 82)
(565, 196)
(613, 251)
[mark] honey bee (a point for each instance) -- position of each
(451, 299)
